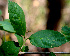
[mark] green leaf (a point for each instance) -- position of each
(6, 26)
(47, 39)
(52, 54)
(9, 49)
(67, 37)
(1, 28)
(17, 18)
(20, 40)
(7, 20)
(24, 49)
(65, 30)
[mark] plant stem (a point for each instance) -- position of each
(4, 36)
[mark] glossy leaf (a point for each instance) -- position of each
(47, 39)
(17, 18)
(6, 26)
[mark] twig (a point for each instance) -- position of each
(43, 52)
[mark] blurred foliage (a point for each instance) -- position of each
(26, 3)
(0, 12)
(68, 2)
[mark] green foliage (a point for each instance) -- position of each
(65, 30)
(9, 49)
(47, 39)
(67, 38)
(67, 2)
(7, 26)
(17, 18)
(16, 24)
(20, 40)
(1, 53)
(52, 54)
(24, 49)
(7, 20)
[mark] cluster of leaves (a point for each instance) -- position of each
(16, 24)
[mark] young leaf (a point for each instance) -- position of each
(17, 18)
(20, 40)
(7, 26)
(24, 49)
(9, 49)
(65, 30)
(47, 39)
